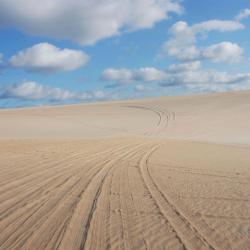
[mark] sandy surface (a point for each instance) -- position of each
(166, 173)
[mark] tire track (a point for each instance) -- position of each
(164, 118)
(79, 195)
(130, 228)
(94, 190)
(56, 203)
(126, 155)
(46, 166)
(188, 235)
(27, 197)
(122, 208)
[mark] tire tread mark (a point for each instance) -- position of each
(148, 179)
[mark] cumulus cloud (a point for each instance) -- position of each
(31, 90)
(175, 68)
(84, 21)
(149, 74)
(126, 76)
(122, 76)
(223, 52)
(47, 58)
(217, 25)
(243, 14)
(183, 39)
(181, 43)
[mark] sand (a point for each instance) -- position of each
(163, 173)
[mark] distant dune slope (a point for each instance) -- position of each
(218, 117)
(165, 173)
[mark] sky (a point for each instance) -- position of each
(60, 51)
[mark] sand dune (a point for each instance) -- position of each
(165, 173)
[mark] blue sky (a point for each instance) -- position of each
(81, 51)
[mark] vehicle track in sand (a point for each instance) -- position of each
(21, 212)
(133, 192)
(61, 211)
(164, 118)
(107, 199)
(190, 237)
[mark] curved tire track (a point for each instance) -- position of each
(190, 237)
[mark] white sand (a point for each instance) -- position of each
(166, 173)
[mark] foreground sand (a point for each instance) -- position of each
(167, 173)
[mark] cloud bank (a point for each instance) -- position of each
(32, 90)
(84, 21)
(189, 74)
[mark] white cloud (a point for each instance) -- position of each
(183, 39)
(206, 77)
(243, 14)
(217, 25)
(84, 21)
(45, 57)
(175, 68)
(34, 91)
(180, 44)
(126, 76)
(182, 33)
(149, 74)
(189, 74)
(226, 52)
(219, 87)
(122, 76)
(96, 94)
